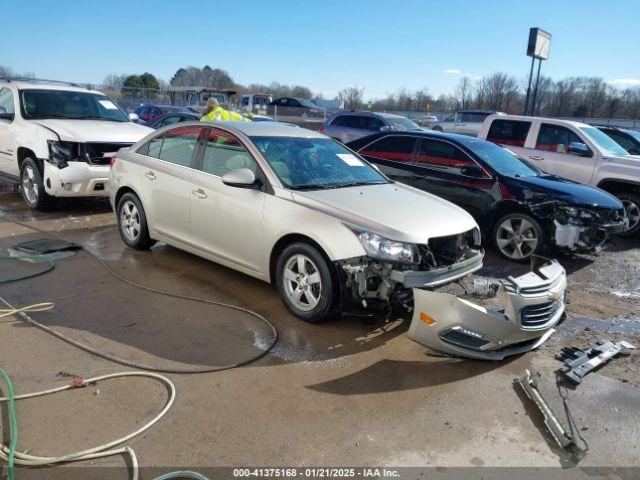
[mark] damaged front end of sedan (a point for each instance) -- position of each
(531, 305)
(391, 269)
(580, 229)
(406, 275)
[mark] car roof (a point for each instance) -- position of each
(23, 85)
(263, 129)
(369, 114)
(559, 121)
(453, 137)
(479, 111)
(614, 127)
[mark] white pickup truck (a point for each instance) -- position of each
(56, 139)
(573, 150)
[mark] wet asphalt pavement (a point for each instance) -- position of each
(351, 392)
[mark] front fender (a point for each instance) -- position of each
(284, 217)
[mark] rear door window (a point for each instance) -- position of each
(509, 132)
(555, 138)
(354, 121)
(339, 121)
(398, 148)
(170, 120)
(224, 152)
(179, 146)
(373, 124)
(442, 156)
(6, 101)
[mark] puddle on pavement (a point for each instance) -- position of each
(620, 324)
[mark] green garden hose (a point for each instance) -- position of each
(14, 422)
(50, 266)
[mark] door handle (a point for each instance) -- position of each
(535, 157)
(150, 175)
(199, 193)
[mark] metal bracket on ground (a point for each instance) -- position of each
(567, 442)
(581, 362)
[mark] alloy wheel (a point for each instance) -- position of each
(30, 185)
(517, 238)
(302, 282)
(130, 220)
(633, 213)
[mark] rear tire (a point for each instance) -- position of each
(517, 237)
(132, 222)
(437, 129)
(631, 202)
(32, 186)
(306, 284)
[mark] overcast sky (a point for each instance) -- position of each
(326, 45)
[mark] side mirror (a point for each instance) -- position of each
(472, 171)
(7, 116)
(385, 128)
(241, 178)
(134, 117)
(579, 149)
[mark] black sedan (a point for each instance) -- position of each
(523, 210)
(173, 117)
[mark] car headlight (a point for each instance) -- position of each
(61, 152)
(382, 248)
(570, 211)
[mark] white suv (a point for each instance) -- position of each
(573, 150)
(56, 139)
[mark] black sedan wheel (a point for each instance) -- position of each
(631, 202)
(517, 236)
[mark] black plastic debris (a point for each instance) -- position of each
(581, 362)
(46, 246)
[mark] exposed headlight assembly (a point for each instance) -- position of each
(574, 215)
(382, 248)
(62, 152)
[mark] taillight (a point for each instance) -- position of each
(112, 161)
(321, 129)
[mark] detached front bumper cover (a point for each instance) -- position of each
(534, 303)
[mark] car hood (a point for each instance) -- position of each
(95, 130)
(393, 210)
(565, 190)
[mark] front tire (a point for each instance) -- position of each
(32, 186)
(305, 283)
(132, 222)
(631, 202)
(517, 237)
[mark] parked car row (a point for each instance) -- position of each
(298, 209)
(574, 150)
(395, 209)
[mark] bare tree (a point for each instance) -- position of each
(351, 97)
(5, 71)
(464, 93)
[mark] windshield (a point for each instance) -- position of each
(401, 124)
(305, 102)
(634, 134)
(502, 160)
(40, 104)
(604, 141)
(315, 163)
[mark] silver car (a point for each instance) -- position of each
(348, 126)
(295, 208)
(465, 122)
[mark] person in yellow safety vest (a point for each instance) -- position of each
(214, 112)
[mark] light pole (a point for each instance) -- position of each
(538, 49)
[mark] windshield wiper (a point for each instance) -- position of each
(97, 118)
(312, 186)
